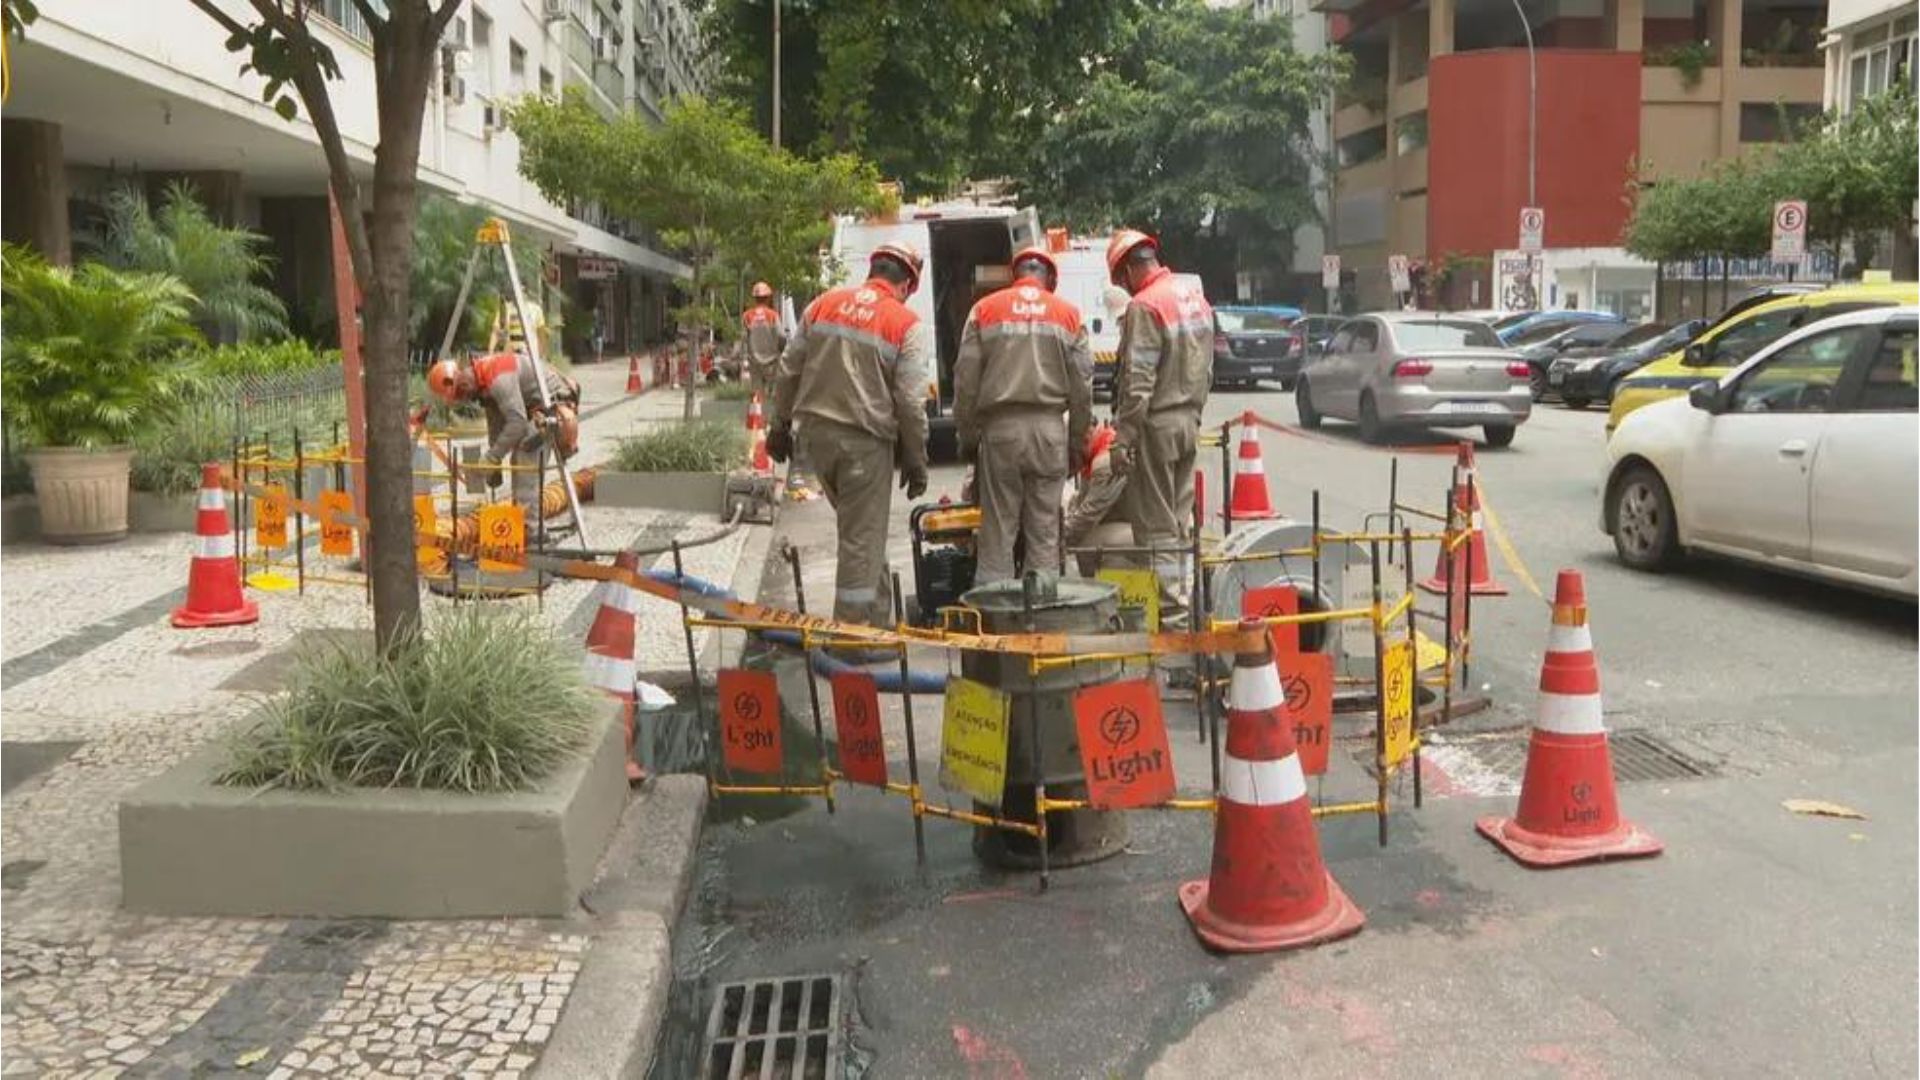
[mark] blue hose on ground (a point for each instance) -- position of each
(886, 680)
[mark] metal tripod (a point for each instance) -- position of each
(493, 234)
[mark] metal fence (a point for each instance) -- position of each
(273, 406)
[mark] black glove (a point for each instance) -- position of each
(913, 478)
(1120, 459)
(780, 444)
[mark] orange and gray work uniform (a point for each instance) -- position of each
(1022, 394)
(761, 341)
(1166, 368)
(511, 399)
(855, 376)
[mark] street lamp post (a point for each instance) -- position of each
(1533, 132)
(776, 74)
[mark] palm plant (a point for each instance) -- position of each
(86, 349)
(221, 266)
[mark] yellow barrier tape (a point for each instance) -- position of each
(1507, 553)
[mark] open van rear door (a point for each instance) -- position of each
(1023, 228)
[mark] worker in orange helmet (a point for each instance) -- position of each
(519, 426)
(1024, 362)
(761, 340)
(1165, 371)
(855, 376)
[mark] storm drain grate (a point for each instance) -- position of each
(1641, 756)
(775, 1029)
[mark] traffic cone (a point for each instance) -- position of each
(755, 421)
(633, 375)
(1250, 501)
(1268, 889)
(214, 597)
(762, 461)
(1479, 571)
(1568, 813)
(609, 664)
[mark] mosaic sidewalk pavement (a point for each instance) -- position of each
(100, 694)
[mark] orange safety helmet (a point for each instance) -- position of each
(1121, 246)
(906, 255)
(442, 378)
(762, 291)
(1040, 254)
(1097, 443)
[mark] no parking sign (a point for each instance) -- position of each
(1789, 230)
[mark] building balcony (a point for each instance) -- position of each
(1354, 118)
(1367, 176)
(1788, 84)
(1410, 171)
(1668, 85)
(1410, 97)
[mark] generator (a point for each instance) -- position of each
(943, 535)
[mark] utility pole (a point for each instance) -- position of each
(1533, 133)
(776, 74)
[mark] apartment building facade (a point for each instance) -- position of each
(1432, 136)
(113, 94)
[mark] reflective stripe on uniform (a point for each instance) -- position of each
(857, 596)
(889, 352)
(1262, 783)
(1569, 714)
(1254, 689)
(219, 546)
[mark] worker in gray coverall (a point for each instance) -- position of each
(517, 424)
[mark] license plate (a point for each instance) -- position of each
(1474, 407)
(1555, 378)
(1260, 369)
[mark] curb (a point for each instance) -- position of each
(612, 1019)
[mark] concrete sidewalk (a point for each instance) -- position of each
(101, 694)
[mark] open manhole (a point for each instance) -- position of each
(774, 1029)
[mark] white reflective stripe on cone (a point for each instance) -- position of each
(1255, 689)
(1569, 714)
(1569, 639)
(214, 547)
(1262, 783)
(213, 499)
(621, 597)
(610, 673)
(1245, 466)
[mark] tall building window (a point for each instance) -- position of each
(1881, 56)
(344, 15)
(546, 81)
(517, 63)
(482, 53)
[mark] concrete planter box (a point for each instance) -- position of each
(165, 513)
(189, 846)
(693, 492)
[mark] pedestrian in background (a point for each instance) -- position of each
(855, 376)
(1022, 405)
(1165, 371)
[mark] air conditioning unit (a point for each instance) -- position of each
(553, 10)
(493, 117)
(605, 50)
(456, 35)
(455, 89)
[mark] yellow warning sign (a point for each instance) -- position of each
(424, 519)
(336, 535)
(1139, 589)
(973, 741)
(270, 517)
(503, 531)
(1396, 699)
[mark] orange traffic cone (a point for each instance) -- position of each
(1250, 501)
(1568, 813)
(633, 375)
(610, 664)
(1269, 889)
(762, 461)
(755, 421)
(1466, 500)
(213, 583)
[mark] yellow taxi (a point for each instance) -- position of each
(1727, 345)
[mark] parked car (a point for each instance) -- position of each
(1540, 354)
(1541, 325)
(1806, 457)
(1312, 332)
(1583, 376)
(1416, 369)
(1728, 343)
(1250, 344)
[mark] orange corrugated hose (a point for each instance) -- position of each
(463, 534)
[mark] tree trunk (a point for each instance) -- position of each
(692, 406)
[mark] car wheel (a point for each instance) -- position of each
(1371, 430)
(1500, 434)
(1286, 386)
(1536, 383)
(1303, 403)
(1575, 402)
(1644, 533)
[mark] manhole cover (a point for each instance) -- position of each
(1494, 764)
(775, 1028)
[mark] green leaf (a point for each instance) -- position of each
(286, 108)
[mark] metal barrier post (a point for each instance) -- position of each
(1316, 544)
(1209, 714)
(693, 668)
(1379, 695)
(1226, 480)
(1027, 585)
(453, 531)
(1393, 499)
(913, 751)
(813, 684)
(299, 516)
(1406, 557)
(1198, 618)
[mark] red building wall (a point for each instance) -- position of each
(1589, 129)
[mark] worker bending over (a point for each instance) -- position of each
(519, 425)
(855, 376)
(1022, 404)
(1093, 517)
(1165, 370)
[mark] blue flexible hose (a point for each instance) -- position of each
(886, 680)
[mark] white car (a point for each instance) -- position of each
(1805, 458)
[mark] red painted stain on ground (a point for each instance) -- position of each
(1434, 780)
(986, 1060)
(1361, 1022)
(1570, 1062)
(1429, 899)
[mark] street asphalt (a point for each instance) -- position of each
(1762, 942)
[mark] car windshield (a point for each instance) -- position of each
(1514, 319)
(1450, 334)
(1535, 334)
(1234, 322)
(1641, 334)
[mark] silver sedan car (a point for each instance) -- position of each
(1416, 369)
